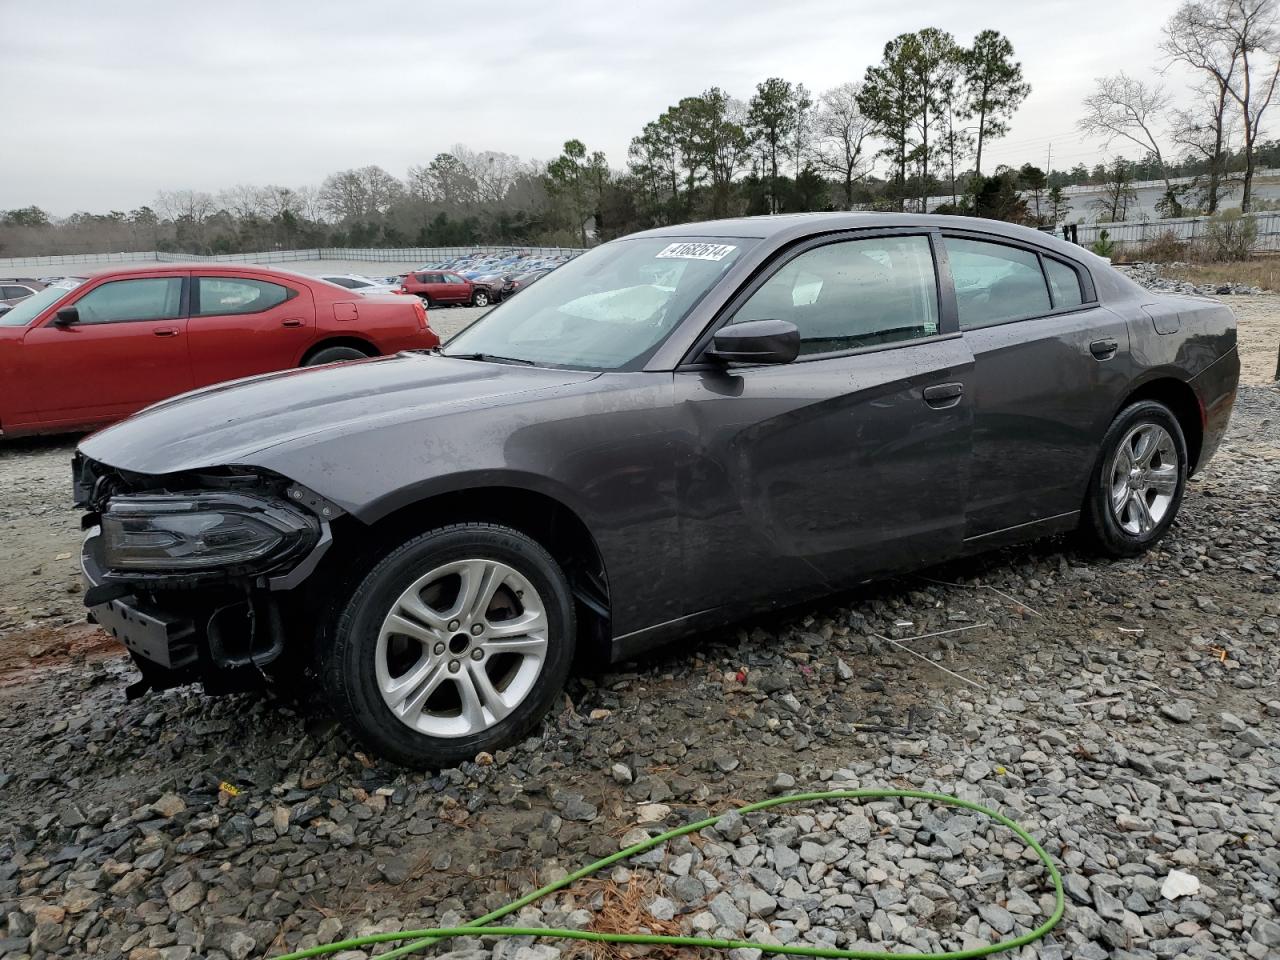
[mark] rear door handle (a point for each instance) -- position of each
(1103, 349)
(165, 331)
(943, 395)
(291, 322)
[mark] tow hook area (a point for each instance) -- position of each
(248, 633)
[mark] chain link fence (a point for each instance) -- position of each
(1138, 232)
(368, 254)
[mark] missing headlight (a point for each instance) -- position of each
(202, 531)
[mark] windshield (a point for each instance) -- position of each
(27, 310)
(608, 307)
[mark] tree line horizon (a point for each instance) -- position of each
(914, 127)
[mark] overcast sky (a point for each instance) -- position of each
(106, 103)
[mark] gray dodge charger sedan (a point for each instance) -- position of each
(673, 430)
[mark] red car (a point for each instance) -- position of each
(440, 287)
(90, 350)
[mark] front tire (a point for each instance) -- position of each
(457, 642)
(480, 298)
(1138, 481)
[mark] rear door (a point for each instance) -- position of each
(246, 324)
(851, 460)
(128, 350)
(1050, 367)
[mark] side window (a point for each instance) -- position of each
(1064, 282)
(152, 298)
(854, 293)
(995, 283)
(452, 278)
(342, 282)
(220, 296)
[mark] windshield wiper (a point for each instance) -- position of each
(488, 357)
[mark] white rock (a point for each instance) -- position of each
(652, 812)
(1179, 883)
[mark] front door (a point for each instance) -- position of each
(245, 325)
(850, 461)
(128, 350)
(458, 290)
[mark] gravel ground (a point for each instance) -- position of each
(1127, 713)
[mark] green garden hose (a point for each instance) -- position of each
(420, 939)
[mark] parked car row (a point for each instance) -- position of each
(365, 286)
(479, 279)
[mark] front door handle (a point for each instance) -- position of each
(291, 322)
(943, 395)
(1103, 349)
(165, 331)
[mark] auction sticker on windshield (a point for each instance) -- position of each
(696, 251)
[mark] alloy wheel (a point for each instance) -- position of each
(461, 648)
(1143, 477)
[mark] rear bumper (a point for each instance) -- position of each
(1215, 387)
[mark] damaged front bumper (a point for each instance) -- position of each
(217, 626)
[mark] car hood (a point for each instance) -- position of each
(229, 423)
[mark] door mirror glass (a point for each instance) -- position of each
(66, 317)
(756, 341)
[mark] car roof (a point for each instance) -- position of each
(790, 226)
(206, 268)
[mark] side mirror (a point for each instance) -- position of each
(5, 308)
(756, 341)
(66, 317)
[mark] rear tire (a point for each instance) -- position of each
(1138, 481)
(456, 642)
(334, 355)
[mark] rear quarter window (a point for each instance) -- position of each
(1064, 282)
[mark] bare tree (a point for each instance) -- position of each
(307, 205)
(1191, 37)
(244, 200)
(492, 171)
(363, 194)
(194, 206)
(1206, 132)
(189, 211)
(1242, 32)
(803, 136)
(840, 133)
(1125, 108)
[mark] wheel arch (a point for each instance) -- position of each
(346, 340)
(1183, 403)
(543, 517)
